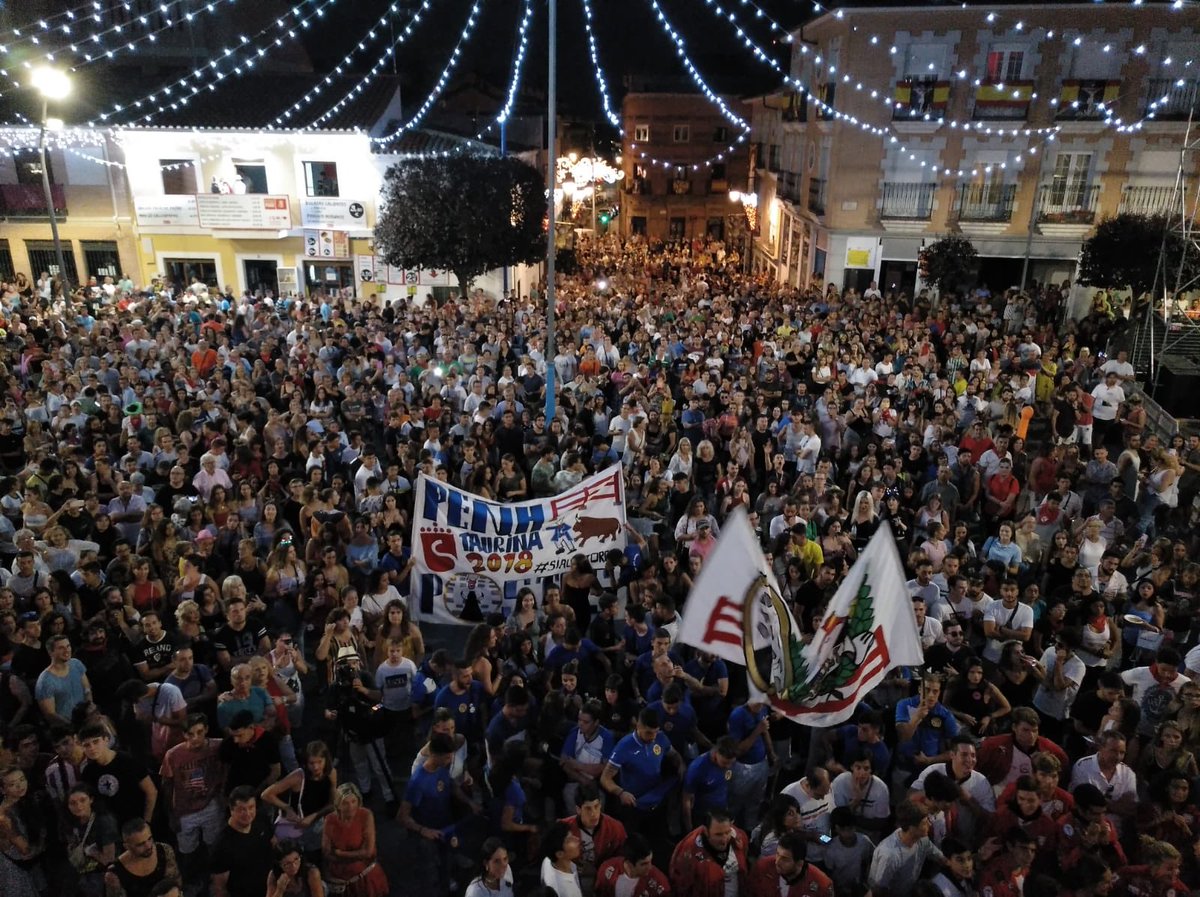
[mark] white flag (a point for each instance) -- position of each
(735, 611)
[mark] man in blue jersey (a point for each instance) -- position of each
(749, 726)
(427, 813)
(466, 699)
(641, 773)
(706, 784)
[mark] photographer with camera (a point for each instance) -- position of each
(354, 703)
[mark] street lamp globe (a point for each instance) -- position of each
(51, 83)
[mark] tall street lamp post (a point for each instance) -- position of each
(52, 84)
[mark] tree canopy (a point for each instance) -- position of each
(949, 263)
(466, 214)
(1124, 253)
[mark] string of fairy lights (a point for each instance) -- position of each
(66, 33)
(239, 58)
(373, 33)
(439, 86)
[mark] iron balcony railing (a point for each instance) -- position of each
(1067, 203)
(986, 202)
(1172, 99)
(907, 202)
(816, 196)
(1139, 200)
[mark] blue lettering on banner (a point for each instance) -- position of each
(479, 515)
(501, 544)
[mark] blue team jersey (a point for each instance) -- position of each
(680, 727)
(430, 796)
(468, 715)
(638, 645)
(711, 675)
(741, 723)
(932, 737)
(708, 783)
(640, 764)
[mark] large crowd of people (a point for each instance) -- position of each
(213, 681)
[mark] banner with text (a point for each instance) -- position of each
(473, 555)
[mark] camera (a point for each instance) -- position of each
(345, 675)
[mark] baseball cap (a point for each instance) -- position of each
(204, 535)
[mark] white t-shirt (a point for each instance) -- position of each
(875, 802)
(1106, 401)
(1057, 704)
(565, 884)
(395, 683)
(814, 815)
(1019, 617)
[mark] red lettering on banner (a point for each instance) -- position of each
(725, 613)
(607, 489)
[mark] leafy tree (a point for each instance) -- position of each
(949, 263)
(1124, 254)
(466, 214)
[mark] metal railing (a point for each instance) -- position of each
(816, 195)
(1173, 98)
(1145, 200)
(1067, 203)
(907, 202)
(787, 187)
(986, 202)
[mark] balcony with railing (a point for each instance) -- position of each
(816, 196)
(1071, 204)
(1172, 99)
(1148, 200)
(787, 187)
(986, 203)
(681, 186)
(907, 202)
(1088, 100)
(718, 185)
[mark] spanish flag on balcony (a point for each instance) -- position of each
(1089, 92)
(1009, 95)
(919, 98)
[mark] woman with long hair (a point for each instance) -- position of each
(146, 592)
(293, 875)
(304, 797)
(395, 623)
(22, 839)
(92, 837)
(578, 584)
(480, 652)
(495, 878)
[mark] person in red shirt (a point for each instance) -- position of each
(1157, 876)
(976, 441)
(204, 359)
(788, 874)
(1005, 874)
(708, 855)
(1024, 811)
(600, 836)
(1056, 801)
(1088, 831)
(636, 865)
(1005, 758)
(1000, 496)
